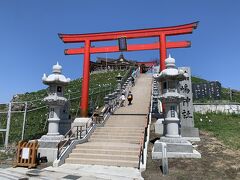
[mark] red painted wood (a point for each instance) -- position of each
(163, 51)
(85, 81)
(140, 33)
(162, 33)
(131, 47)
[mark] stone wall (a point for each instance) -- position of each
(223, 108)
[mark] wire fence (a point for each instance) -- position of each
(228, 96)
(28, 119)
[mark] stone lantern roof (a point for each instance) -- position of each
(171, 72)
(56, 77)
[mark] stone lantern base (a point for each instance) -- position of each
(48, 146)
(190, 133)
(176, 148)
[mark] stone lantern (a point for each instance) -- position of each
(169, 79)
(176, 145)
(111, 100)
(106, 100)
(56, 101)
(119, 80)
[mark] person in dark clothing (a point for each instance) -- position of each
(130, 98)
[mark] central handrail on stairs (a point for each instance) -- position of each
(72, 138)
(74, 133)
(142, 143)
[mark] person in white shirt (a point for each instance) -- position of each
(122, 100)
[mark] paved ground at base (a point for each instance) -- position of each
(74, 172)
(218, 162)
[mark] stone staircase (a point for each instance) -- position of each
(111, 146)
(118, 142)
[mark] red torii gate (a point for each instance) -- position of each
(162, 45)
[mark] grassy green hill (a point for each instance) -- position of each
(36, 118)
(37, 114)
(225, 94)
(198, 80)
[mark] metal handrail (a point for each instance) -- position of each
(141, 153)
(78, 131)
(144, 137)
(64, 142)
(142, 143)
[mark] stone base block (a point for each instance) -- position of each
(192, 139)
(179, 145)
(176, 148)
(190, 133)
(50, 153)
(81, 122)
(49, 141)
(159, 126)
(194, 154)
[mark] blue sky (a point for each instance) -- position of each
(29, 44)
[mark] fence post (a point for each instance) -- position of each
(24, 119)
(77, 133)
(8, 124)
(230, 94)
(164, 159)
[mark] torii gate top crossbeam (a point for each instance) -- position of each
(129, 34)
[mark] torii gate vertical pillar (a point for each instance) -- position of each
(163, 51)
(163, 56)
(85, 79)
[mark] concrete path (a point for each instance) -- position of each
(72, 171)
(141, 97)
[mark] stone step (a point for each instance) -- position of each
(124, 125)
(110, 146)
(106, 151)
(123, 140)
(129, 120)
(106, 162)
(120, 129)
(104, 156)
(116, 136)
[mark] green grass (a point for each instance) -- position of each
(225, 127)
(100, 85)
(4, 155)
(198, 80)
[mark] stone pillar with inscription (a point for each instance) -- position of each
(188, 131)
(177, 146)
